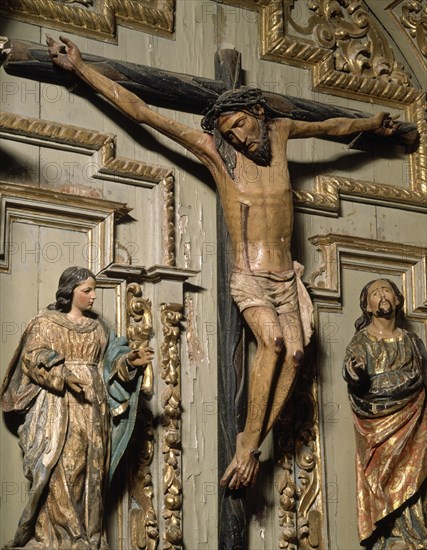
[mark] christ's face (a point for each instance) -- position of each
(381, 299)
(248, 134)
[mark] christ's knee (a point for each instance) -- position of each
(295, 358)
(279, 343)
(298, 357)
(270, 344)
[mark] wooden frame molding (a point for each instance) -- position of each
(408, 261)
(102, 149)
(95, 18)
(48, 208)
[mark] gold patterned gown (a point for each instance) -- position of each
(388, 399)
(65, 436)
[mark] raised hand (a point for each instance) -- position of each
(140, 357)
(387, 124)
(356, 371)
(66, 55)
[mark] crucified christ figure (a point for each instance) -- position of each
(243, 145)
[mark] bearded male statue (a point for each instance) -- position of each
(384, 368)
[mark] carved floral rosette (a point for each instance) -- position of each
(143, 527)
(171, 315)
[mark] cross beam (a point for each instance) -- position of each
(165, 88)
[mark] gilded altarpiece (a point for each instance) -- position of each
(349, 55)
(44, 229)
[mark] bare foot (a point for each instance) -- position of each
(243, 469)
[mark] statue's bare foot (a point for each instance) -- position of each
(243, 469)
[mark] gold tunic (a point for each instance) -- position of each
(388, 400)
(65, 436)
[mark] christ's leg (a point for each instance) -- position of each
(293, 337)
(264, 323)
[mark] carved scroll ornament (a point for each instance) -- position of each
(340, 39)
(414, 18)
(347, 28)
(298, 446)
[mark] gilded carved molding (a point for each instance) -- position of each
(95, 18)
(412, 16)
(404, 260)
(287, 490)
(46, 207)
(143, 526)
(298, 446)
(34, 129)
(329, 190)
(102, 148)
(418, 160)
(342, 42)
(171, 315)
(140, 328)
(169, 254)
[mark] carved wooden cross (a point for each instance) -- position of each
(180, 91)
(194, 94)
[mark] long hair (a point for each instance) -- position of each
(366, 318)
(245, 99)
(68, 281)
(237, 99)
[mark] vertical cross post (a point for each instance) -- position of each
(231, 372)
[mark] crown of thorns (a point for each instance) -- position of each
(233, 100)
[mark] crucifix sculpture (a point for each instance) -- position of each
(243, 145)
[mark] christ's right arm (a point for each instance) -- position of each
(69, 57)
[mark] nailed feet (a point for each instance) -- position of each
(243, 469)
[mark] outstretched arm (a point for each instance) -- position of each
(68, 56)
(381, 124)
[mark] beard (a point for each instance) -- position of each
(385, 309)
(262, 155)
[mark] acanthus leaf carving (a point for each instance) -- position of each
(171, 315)
(349, 52)
(414, 18)
(298, 445)
(143, 526)
(346, 27)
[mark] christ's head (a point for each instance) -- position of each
(238, 121)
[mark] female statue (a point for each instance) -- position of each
(70, 377)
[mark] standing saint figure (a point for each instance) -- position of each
(69, 377)
(385, 369)
(244, 148)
